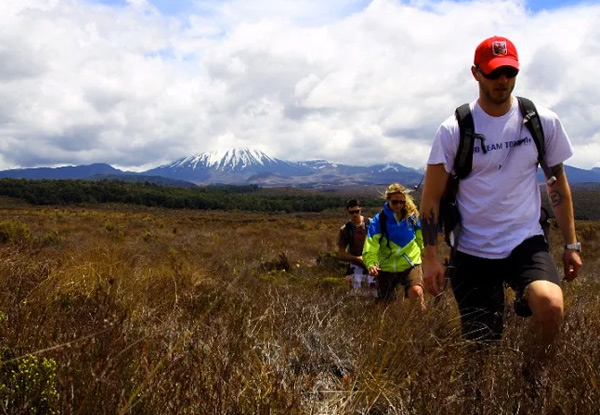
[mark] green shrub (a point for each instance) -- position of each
(28, 385)
(332, 282)
(13, 231)
(278, 277)
(51, 238)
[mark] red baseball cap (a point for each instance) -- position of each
(495, 52)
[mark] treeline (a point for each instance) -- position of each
(225, 197)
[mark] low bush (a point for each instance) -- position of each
(248, 314)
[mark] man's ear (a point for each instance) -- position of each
(475, 72)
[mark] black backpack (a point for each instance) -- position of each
(463, 163)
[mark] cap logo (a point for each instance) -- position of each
(499, 48)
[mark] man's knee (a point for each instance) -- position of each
(546, 301)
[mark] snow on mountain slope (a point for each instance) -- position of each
(228, 160)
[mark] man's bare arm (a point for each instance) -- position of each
(436, 178)
(559, 194)
(556, 193)
(346, 256)
(429, 225)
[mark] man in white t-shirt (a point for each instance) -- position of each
(500, 238)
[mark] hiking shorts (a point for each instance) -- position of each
(478, 285)
(359, 276)
(387, 282)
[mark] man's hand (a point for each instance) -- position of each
(433, 276)
(572, 264)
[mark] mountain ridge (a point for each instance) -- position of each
(250, 166)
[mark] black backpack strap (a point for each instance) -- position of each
(383, 226)
(463, 163)
(349, 229)
(413, 220)
(531, 119)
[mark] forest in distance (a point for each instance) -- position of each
(586, 199)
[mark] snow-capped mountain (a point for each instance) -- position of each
(230, 166)
(237, 166)
(230, 160)
(317, 164)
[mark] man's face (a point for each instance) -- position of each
(354, 212)
(497, 86)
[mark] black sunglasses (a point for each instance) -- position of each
(397, 202)
(507, 71)
(354, 212)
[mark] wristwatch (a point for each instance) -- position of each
(575, 247)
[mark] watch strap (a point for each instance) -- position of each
(575, 247)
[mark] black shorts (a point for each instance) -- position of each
(387, 282)
(478, 285)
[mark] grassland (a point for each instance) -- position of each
(132, 310)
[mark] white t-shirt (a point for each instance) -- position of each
(499, 201)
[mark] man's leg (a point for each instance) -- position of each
(354, 278)
(479, 294)
(372, 286)
(546, 302)
(536, 276)
(545, 299)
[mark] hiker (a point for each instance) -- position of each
(499, 238)
(392, 251)
(351, 239)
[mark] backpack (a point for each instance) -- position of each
(463, 163)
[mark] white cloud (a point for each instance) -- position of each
(83, 83)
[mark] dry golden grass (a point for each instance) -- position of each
(118, 310)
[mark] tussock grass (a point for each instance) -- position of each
(149, 311)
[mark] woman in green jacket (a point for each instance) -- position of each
(392, 250)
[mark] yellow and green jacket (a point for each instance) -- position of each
(405, 242)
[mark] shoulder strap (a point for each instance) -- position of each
(349, 229)
(531, 119)
(413, 219)
(383, 226)
(463, 163)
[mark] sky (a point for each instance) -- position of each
(140, 83)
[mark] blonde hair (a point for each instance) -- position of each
(397, 188)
